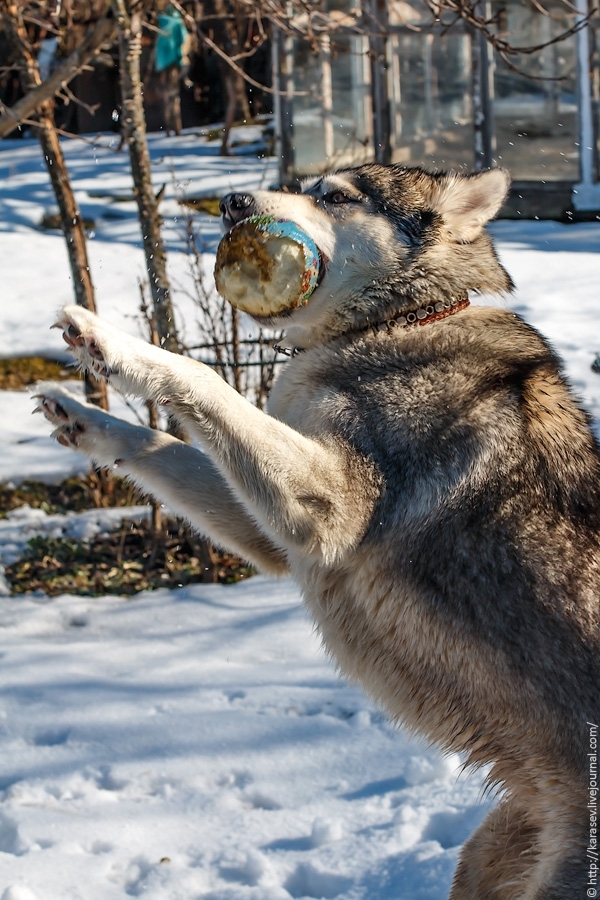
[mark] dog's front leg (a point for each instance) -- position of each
(309, 495)
(306, 494)
(177, 474)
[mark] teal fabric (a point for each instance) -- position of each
(172, 33)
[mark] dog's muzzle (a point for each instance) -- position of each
(236, 207)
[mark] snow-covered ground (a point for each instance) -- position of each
(197, 743)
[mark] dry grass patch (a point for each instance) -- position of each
(22, 371)
(133, 557)
(76, 493)
(127, 560)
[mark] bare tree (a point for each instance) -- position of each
(478, 17)
(308, 19)
(70, 216)
(235, 29)
(129, 16)
(228, 25)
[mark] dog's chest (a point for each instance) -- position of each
(302, 401)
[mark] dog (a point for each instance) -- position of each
(427, 477)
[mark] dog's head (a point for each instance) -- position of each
(388, 236)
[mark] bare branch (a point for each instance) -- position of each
(68, 96)
(230, 62)
(468, 13)
(34, 99)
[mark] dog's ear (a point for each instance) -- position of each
(467, 202)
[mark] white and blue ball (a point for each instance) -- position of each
(266, 266)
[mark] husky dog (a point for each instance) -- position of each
(426, 476)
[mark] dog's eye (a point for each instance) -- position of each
(336, 197)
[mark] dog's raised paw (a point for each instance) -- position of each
(84, 427)
(55, 407)
(78, 327)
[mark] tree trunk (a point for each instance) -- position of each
(227, 35)
(134, 134)
(237, 101)
(70, 216)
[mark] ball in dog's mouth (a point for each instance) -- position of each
(266, 266)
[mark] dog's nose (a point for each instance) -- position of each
(235, 207)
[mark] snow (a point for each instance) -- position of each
(198, 743)
(205, 726)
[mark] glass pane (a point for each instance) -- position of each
(430, 92)
(350, 77)
(332, 104)
(536, 117)
(309, 138)
(595, 35)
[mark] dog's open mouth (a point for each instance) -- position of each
(267, 267)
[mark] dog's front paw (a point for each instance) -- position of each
(90, 339)
(60, 408)
(130, 364)
(84, 427)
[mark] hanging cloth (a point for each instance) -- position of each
(170, 40)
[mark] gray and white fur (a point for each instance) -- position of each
(433, 490)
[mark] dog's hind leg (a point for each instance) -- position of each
(177, 474)
(532, 854)
(497, 860)
(564, 871)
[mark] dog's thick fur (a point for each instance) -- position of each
(434, 490)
